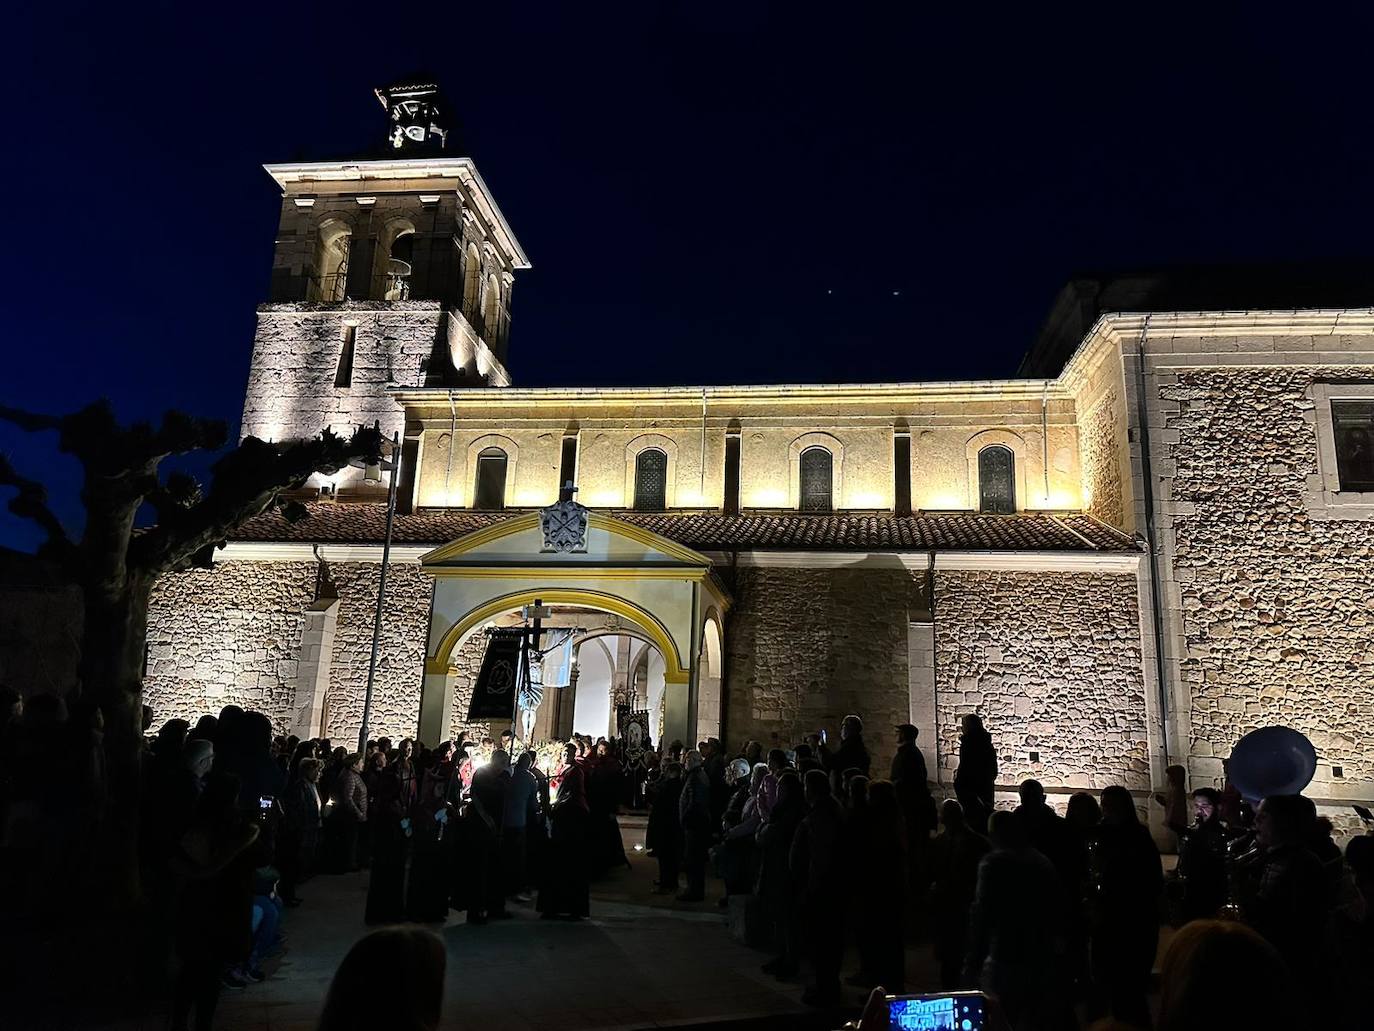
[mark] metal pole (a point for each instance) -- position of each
(381, 587)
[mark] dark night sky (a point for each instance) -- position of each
(718, 192)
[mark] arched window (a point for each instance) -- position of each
(491, 480)
(472, 282)
(651, 480)
(396, 275)
(817, 480)
(331, 262)
(997, 480)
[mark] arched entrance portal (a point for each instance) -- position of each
(624, 582)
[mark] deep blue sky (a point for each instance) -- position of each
(715, 192)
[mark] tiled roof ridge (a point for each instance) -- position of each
(716, 531)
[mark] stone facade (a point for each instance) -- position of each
(232, 635)
(1276, 609)
(1052, 662)
(400, 655)
(1099, 442)
(227, 635)
(292, 391)
(806, 647)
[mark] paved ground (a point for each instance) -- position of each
(641, 961)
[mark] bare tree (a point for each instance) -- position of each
(115, 566)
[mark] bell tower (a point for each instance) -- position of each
(390, 271)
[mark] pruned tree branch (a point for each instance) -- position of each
(30, 421)
(245, 483)
(31, 502)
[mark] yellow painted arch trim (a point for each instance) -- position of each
(674, 673)
(595, 521)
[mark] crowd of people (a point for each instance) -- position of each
(1057, 916)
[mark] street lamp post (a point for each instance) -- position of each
(395, 466)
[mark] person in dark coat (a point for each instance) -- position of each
(912, 782)
(605, 785)
(1014, 943)
(851, 755)
(386, 879)
(214, 914)
(486, 894)
(299, 836)
(878, 874)
(348, 813)
(565, 890)
(777, 888)
(817, 862)
(1284, 896)
(1125, 926)
(955, 855)
(664, 834)
(1048, 832)
(427, 890)
(1202, 858)
(694, 815)
(975, 777)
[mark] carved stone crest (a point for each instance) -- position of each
(564, 525)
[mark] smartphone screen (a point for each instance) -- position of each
(957, 1011)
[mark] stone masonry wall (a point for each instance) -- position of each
(227, 635)
(232, 634)
(1277, 609)
(1099, 442)
(806, 647)
(1052, 663)
(467, 662)
(291, 392)
(401, 652)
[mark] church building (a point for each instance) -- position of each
(1158, 537)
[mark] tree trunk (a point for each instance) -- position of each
(111, 676)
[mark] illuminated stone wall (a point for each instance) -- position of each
(291, 392)
(1275, 608)
(947, 423)
(1094, 378)
(1052, 662)
(806, 647)
(401, 651)
(232, 635)
(227, 635)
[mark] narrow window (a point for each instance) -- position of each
(567, 463)
(817, 466)
(732, 449)
(651, 480)
(472, 283)
(491, 480)
(1353, 426)
(996, 480)
(491, 312)
(343, 377)
(901, 474)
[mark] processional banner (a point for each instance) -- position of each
(494, 694)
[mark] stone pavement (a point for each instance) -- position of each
(641, 961)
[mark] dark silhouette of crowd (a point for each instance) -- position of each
(820, 858)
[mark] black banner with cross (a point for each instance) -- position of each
(493, 696)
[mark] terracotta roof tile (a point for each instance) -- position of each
(962, 531)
